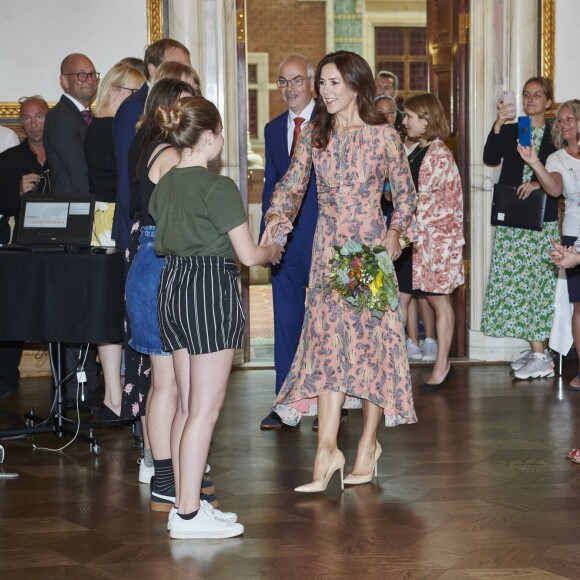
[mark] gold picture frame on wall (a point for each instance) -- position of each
(548, 36)
(10, 110)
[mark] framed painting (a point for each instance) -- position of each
(36, 36)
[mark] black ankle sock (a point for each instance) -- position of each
(188, 516)
(163, 482)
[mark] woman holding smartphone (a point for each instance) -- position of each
(561, 176)
(513, 306)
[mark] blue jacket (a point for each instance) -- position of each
(277, 163)
(123, 133)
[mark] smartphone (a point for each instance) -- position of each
(509, 104)
(525, 131)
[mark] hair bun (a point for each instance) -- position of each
(169, 118)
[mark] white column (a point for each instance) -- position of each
(208, 29)
(521, 42)
(503, 55)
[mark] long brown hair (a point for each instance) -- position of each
(183, 123)
(165, 92)
(358, 77)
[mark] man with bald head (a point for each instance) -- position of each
(64, 142)
(66, 126)
(22, 169)
(290, 277)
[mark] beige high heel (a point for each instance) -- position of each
(337, 464)
(351, 479)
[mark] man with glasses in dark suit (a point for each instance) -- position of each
(64, 142)
(66, 126)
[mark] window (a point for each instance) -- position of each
(403, 51)
(258, 97)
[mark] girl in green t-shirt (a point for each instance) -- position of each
(201, 228)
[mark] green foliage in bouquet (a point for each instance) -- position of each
(364, 277)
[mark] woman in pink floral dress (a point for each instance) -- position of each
(346, 358)
(433, 268)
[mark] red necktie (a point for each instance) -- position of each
(87, 116)
(297, 128)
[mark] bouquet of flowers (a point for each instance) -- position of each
(364, 277)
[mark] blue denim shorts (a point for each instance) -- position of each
(141, 296)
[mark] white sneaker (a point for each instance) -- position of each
(225, 516)
(520, 362)
(413, 351)
(145, 473)
(537, 367)
(207, 468)
(204, 526)
(429, 350)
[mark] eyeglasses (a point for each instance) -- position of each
(83, 76)
(295, 82)
(126, 88)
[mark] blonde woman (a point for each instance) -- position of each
(176, 70)
(120, 82)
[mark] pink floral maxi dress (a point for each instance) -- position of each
(341, 349)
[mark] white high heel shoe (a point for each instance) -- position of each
(337, 464)
(351, 479)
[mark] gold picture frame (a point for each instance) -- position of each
(548, 36)
(10, 110)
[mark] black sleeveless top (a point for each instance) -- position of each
(146, 186)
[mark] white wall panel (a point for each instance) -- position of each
(35, 35)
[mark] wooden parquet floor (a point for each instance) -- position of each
(479, 488)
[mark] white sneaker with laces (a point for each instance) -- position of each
(429, 350)
(225, 516)
(145, 473)
(538, 367)
(413, 351)
(520, 362)
(204, 526)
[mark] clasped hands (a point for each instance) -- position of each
(268, 240)
(564, 256)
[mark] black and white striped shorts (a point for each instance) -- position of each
(199, 304)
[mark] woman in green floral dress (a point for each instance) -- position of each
(519, 301)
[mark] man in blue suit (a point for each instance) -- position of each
(124, 130)
(290, 277)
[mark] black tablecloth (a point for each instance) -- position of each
(74, 298)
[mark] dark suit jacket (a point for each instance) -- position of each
(399, 121)
(64, 144)
(277, 163)
(123, 133)
(503, 147)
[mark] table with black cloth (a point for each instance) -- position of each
(76, 298)
(62, 298)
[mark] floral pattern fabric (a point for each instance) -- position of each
(342, 350)
(137, 365)
(438, 251)
(519, 300)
